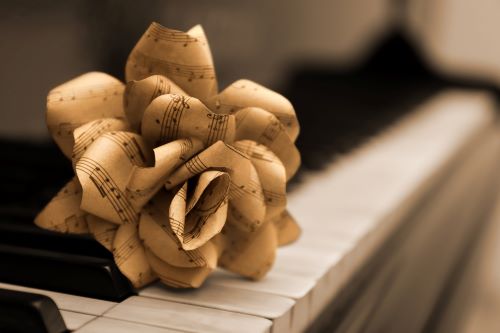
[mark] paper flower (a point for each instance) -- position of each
(173, 177)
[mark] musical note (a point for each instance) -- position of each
(218, 127)
(108, 189)
(103, 231)
(88, 133)
(171, 120)
(274, 198)
(130, 257)
(195, 165)
(172, 69)
(271, 132)
(192, 69)
(63, 213)
(245, 94)
(76, 223)
(64, 128)
(84, 92)
(170, 117)
(257, 151)
(129, 145)
(86, 98)
(159, 32)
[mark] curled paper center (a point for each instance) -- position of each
(172, 176)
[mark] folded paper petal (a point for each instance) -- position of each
(144, 182)
(104, 170)
(180, 277)
(205, 211)
(250, 254)
(183, 57)
(271, 173)
(245, 93)
(85, 135)
(88, 97)
(170, 117)
(287, 228)
(103, 231)
(63, 212)
(263, 127)
(130, 256)
(139, 94)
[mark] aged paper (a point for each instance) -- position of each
(173, 177)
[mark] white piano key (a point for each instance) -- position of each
(108, 325)
(359, 200)
(325, 243)
(296, 288)
(299, 262)
(272, 283)
(355, 184)
(331, 270)
(273, 307)
(185, 317)
(335, 242)
(68, 302)
(335, 230)
(75, 320)
(326, 268)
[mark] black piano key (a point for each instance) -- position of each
(30, 235)
(23, 312)
(64, 272)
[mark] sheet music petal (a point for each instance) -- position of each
(271, 173)
(87, 97)
(63, 213)
(139, 94)
(263, 127)
(130, 256)
(245, 93)
(287, 228)
(250, 254)
(170, 117)
(183, 57)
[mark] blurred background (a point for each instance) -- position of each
(356, 65)
(271, 42)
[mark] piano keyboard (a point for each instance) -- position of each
(381, 228)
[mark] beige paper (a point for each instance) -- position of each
(171, 177)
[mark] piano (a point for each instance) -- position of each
(397, 183)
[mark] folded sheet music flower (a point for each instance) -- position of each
(173, 177)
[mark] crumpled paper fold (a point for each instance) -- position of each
(172, 176)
